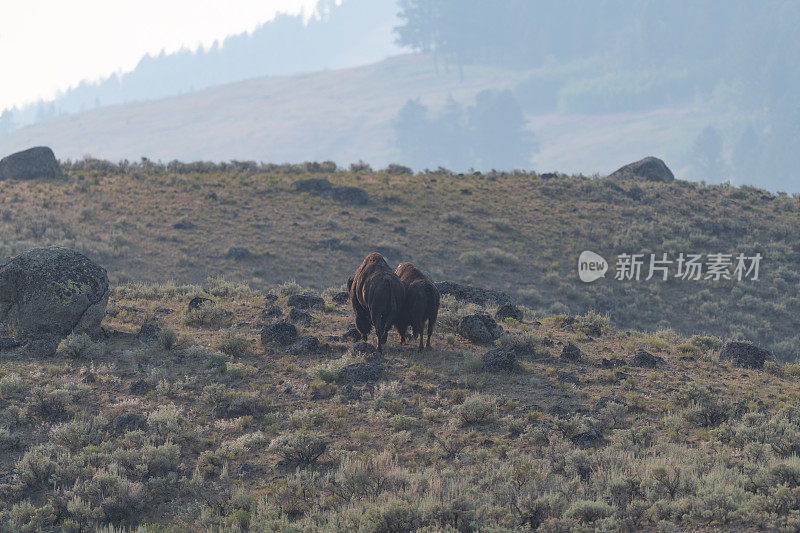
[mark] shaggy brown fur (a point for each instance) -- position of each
(421, 304)
(377, 295)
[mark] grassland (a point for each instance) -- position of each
(519, 232)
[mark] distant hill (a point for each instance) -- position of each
(347, 115)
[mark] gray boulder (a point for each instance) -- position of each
(33, 163)
(281, 332)
(305, 301)
(649, 169)
(479, 328)
(744, 354)
(499, 359)
(52, 292)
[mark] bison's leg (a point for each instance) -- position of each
(431, 323)
(363, 322)
(421, 334)
(378, 322)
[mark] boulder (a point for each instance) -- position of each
(41, 348)
(476, 295)
(305, 301)
(352, 335)
(350, 195)
(300, 317)
(744, 354)
(643, 359)
(587, 439)
(479, 328)
(239, 253)
(33, 163)
(313, 185)
(570, 352)
(509, 311)
(149, 332)
(305, 345)
(649, 168)
(499, 359)
(363, 348)
(272, 311)
(341, 297)
(281, 332)
(197, 302)
(52, 292)
(592, 330)
(361, 372)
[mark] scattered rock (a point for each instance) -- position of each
(570, 352)
(140, 387)
(362, 348)
(239, 253)
(350, 195)
(33, 163)
(744, 354)
(509, 311)
(499, 359)
(280, 332)
(643, 359)
(305, 301)
(361, 372)
(479, 328)
(41, 348)
(272, 311)
(323, 187)
(197, 302)
(129, 421)
(149, 332)
(8, 343)
(649, 168)
(304, 345)
(313, 185)
(592, 330)
(300, 317)
(52, 292)
(353, 335)
(612, 363)
(184, 224)
(476, 295)
(587, 439)
(566, 377)
(341, 297)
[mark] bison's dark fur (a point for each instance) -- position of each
(377, 295)
(421, 304)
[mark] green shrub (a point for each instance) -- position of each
(476, 409)
(80, 346)
(301, 448)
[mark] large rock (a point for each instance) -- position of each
(305, 301)
(649, 168)
(52, 292)
(479, 328)
(281, 332)
(499, 359)
(33, 163)
(744, 354)
(476, 295)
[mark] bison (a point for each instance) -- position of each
(421, 304)
(377, 295)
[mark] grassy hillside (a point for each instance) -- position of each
(347, 115)
(519, 233)
(206, 428)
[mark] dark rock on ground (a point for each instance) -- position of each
(744, 354)
(33, 163)
(509, 311)
(570, 352)
(305, 345)
(239, 253)
(341, 297)
(149, 332)
(592, 330)
(41, 348)
(323, 187)
(52, 292)
(643, 359)
(352, 335)
(612, 363)
(476, 295)
(305, 301)
(129, 421)
(140, 387)
(281, 333)
(363, 348)
(300, 317)
(587, 439)
(8, 342)
(350, 195)
(272, 311)
(197, 302)
(649, 168)
(499, 359)
(361, 372)
(479, 328)
(566, 377)
(313, 185)
(184, 224)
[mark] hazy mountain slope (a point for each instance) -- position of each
(345, 115)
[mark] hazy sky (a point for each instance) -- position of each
(49, 45)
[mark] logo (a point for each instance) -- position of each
(591, 266)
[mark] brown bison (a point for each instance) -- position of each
(377, 295)
(421, 304)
